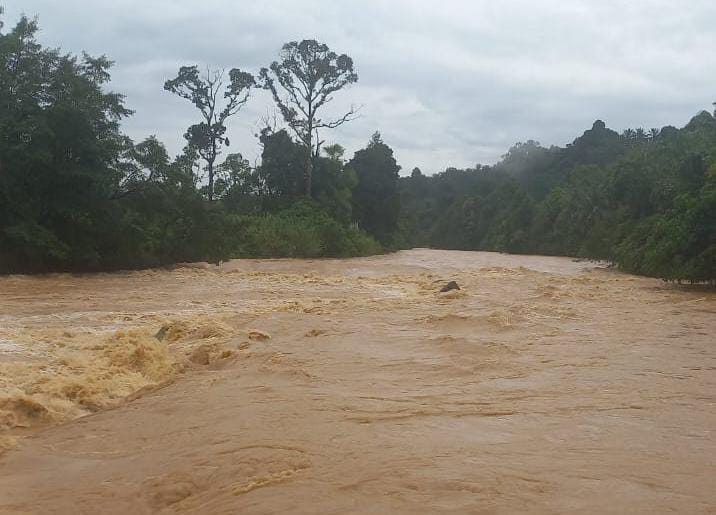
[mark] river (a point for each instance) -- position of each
(543, 385)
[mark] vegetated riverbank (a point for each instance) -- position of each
(542, 385)
(79, 195)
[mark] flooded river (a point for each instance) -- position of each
(543, 385)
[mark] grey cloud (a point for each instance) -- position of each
(449, 83)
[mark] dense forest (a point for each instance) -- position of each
(76, 194)
(645, 200)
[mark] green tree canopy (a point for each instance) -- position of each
(376, 203)
(302, 83)
(217, 97)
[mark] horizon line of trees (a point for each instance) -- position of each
(76, 194)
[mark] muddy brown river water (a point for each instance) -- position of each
(353, 386)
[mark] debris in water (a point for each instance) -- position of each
(162, 333)
(452, 285)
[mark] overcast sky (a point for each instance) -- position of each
(447, 83)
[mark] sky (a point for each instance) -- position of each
(447, 83)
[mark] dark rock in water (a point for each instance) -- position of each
(452, 285)
(161, 334)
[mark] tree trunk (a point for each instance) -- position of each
(210, 162)
(211, 180)
(308, 172)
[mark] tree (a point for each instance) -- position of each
(60, 153)
(207, 137)
(305, 80)
(78, 195)
(281, 167)
(333, 183)
(235, 177)
(376, 204)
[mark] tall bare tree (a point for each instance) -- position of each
(207, 137)
(302, 82)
